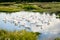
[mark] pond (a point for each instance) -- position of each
(44, 23)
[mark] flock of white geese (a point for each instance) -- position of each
(32, 21)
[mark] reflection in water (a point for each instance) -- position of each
(46, 24)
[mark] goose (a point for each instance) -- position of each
(54, 16)
(5, 19)
(28, 28)
(22, 23)
(39, 25)
(15, 22)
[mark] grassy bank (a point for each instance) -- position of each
(35, 7)
(57, 38)
(18, 35)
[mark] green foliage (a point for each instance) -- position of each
(18, 35)
(31, 7)
(9, 9)
(57, 38)
(35, 7)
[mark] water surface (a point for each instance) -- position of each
(46, 24)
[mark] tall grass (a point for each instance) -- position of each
(18, 35)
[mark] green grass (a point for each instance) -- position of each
(18, 35)
(35, 7)
(9, 9)
(57, 38)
